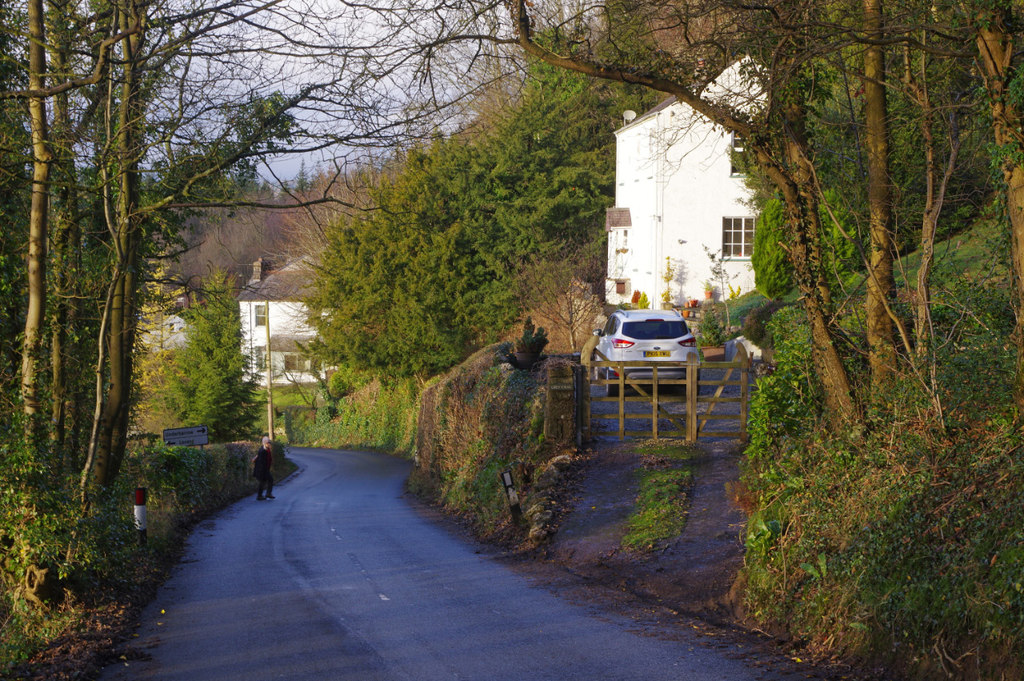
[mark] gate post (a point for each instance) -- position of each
(586, 357)
(744, 359)
(560, 407)
(692, 388)
(654, 402)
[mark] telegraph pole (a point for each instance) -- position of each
(270, 377)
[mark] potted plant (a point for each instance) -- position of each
(709, 289)
(528, 346)
(712, 335)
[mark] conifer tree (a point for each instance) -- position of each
(773, 275)
(209, 384)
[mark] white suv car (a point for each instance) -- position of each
(646, 335)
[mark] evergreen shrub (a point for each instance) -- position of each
(712, 334)
(755, 324)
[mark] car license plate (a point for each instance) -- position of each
(656, 353)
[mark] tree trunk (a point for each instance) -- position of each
(994, 38)
(65, 253)
(880, 283)
(110, 434)
(804, 223)
(38, 217)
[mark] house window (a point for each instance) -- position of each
(737, 237)
(620, 287)
(259, 359)
(294, 361)
(735, 154)
(261, 314)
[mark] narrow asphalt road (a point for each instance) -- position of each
(341, 578)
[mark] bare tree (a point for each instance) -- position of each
(880, 283)
(158, 102)
(39, 217)
(560, 291)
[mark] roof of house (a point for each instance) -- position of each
(289, 283)
(617, 217)
(727, 83)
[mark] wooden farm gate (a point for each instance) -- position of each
(655, 397)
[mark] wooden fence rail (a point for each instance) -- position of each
(690, 422)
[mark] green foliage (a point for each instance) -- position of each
(642, 302)
(661, 508)
(712, 333)
(481, 418)
(208, 383)
(413, 287)
(14, 196)
(345, 380)
(909, 533)
(668, 277)
(839, 249)
(755, 324)
(773, 275)
(533, 339)
(788, 401)
(42, 525)
(377, 415)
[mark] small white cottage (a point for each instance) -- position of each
(273, 316)
(677, 192)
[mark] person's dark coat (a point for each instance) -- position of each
(264, 460)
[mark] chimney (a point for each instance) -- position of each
(257, 271)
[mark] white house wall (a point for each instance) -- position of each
(673, 172)
(287, 319)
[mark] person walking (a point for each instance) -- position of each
(261, 464)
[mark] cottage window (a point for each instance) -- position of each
(734, 155)
(259, 359)
(737, 237)
(294, 361)
(261, 314)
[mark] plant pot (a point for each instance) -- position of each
(715, 353)
(526, 360)
(708, 295)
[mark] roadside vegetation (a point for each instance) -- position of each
(373, 415)
(109, 571)
(903, 542)
(477, 421)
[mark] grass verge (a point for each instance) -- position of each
(663, 500)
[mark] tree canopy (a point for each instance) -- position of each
(430, 273)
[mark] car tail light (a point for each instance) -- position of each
(689, 343)
(622, 343)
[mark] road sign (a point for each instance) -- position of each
(186, 437)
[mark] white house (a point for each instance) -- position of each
(678, 191)
(273, 315)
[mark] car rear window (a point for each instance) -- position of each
(655, 329)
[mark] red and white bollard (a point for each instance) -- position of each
(140, 513)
